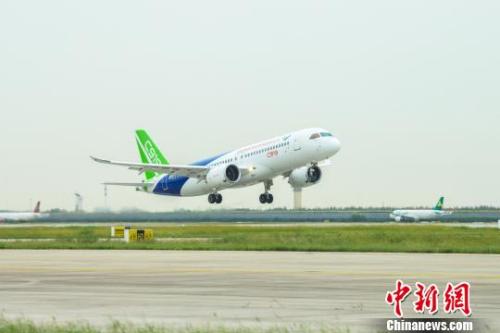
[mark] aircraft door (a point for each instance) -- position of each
(297, 145)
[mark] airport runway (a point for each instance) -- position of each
(230, 288)
(251, 224)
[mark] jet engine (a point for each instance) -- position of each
(405, 219)
(305, 176)
(223, 176)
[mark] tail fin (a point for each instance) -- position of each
(37, 208)
(149, 152)
(439, 205)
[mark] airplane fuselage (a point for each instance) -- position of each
(262, 161)
(15, 216)
(418, 214)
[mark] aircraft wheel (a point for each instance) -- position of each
(263, 198)
(270, 198)
(218, 198)
(211, 198)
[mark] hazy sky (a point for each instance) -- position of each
(411, 88)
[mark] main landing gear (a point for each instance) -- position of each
(267, 197)
(215, 198)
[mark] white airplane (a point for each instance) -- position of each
(414, 215)
(22, 216)
(296, 155)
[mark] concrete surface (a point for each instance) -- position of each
(233, 288)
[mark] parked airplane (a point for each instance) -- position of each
(22, 216)
(296, 156)
(421, 214)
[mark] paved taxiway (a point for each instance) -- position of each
(230, 287)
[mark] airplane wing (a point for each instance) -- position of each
(191, 171)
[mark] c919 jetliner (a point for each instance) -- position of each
(297, 156)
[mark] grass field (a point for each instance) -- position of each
(360, 238)
(28, 326)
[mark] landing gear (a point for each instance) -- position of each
(215, 198)
(267, 197)
(218, 199)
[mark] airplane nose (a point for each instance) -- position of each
(334, 146)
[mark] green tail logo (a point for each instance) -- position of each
(439, 205)
(149, 152)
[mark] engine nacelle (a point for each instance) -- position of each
(405, 219)
(305, 176)
(223, 176)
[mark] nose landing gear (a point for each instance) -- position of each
(215, 198)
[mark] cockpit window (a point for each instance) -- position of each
(315, 136)
(326, 134)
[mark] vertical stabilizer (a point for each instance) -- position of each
(439, 205)
(149, 152)
(37, 208)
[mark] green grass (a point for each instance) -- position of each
(360, 238)
(28, 326)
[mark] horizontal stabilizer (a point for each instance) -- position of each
(128, 184)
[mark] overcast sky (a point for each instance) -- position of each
(411, 88)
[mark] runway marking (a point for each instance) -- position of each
(458, 275)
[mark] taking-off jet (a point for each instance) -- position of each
(297, 156)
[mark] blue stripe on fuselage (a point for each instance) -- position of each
(172, 185)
